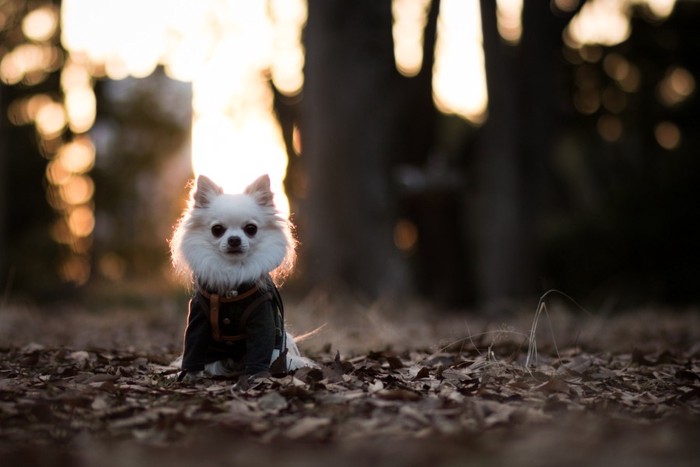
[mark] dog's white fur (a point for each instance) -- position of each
(202, 249)
(210, 260)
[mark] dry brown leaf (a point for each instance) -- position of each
(306, 426)
(398, 395)
(272, 402)
(554, 385)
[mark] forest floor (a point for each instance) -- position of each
(397, 386)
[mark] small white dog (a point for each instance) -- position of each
(234, 247)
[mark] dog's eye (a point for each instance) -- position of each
(218, 230)
(250, 229)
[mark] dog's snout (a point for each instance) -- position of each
(234, 242)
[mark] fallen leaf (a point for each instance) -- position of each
(79, 356)
(306, 426)
(639, 358)
(395, 363)
(375, 386)
(422, 373)
(398, 395)
(272, 402)
(554, 385)
(686, 375)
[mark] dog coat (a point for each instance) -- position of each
(246, 328)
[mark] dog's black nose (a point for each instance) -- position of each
(234, 242)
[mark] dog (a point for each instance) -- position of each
(235, 249)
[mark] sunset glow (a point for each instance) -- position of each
(232, 50)
(226, 50)
(229, 50)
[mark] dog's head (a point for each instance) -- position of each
(225, 240)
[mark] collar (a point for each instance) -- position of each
(234, 295)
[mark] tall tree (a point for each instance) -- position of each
(514, 147)
(500, 225)
(28, 254)
(431, 184)
(347, 120)
(3, 192)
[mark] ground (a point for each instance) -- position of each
(398, 384)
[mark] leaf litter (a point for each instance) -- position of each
(480, 398)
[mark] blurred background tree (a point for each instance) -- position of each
(142, 131)
(579, 173)
(29, 258)
(71, 215)
(522, 226)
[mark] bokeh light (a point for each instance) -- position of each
(50, 119)
(405, 235)
(510, 26)
(603, 22)
(78, 156)
(29, 63)
(676, 87)
(459, 80)
(626, 75)
(607, 22)
(410, 17)
(610, 128)
(40, 24)
(668, 135)
(288, 18)
(81, 221)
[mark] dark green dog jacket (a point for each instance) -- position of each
(246, 327)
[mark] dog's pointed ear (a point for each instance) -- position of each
(205, 192)
(260, 191)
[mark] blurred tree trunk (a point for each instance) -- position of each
(4, 179)
(348, 118)
(542, 96)
(431, 194)
(500, 226)
(28, 254)
(514, 146)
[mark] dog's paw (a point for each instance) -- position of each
(246, 382)
(226, 368)
(295, 362)
(189, 376)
